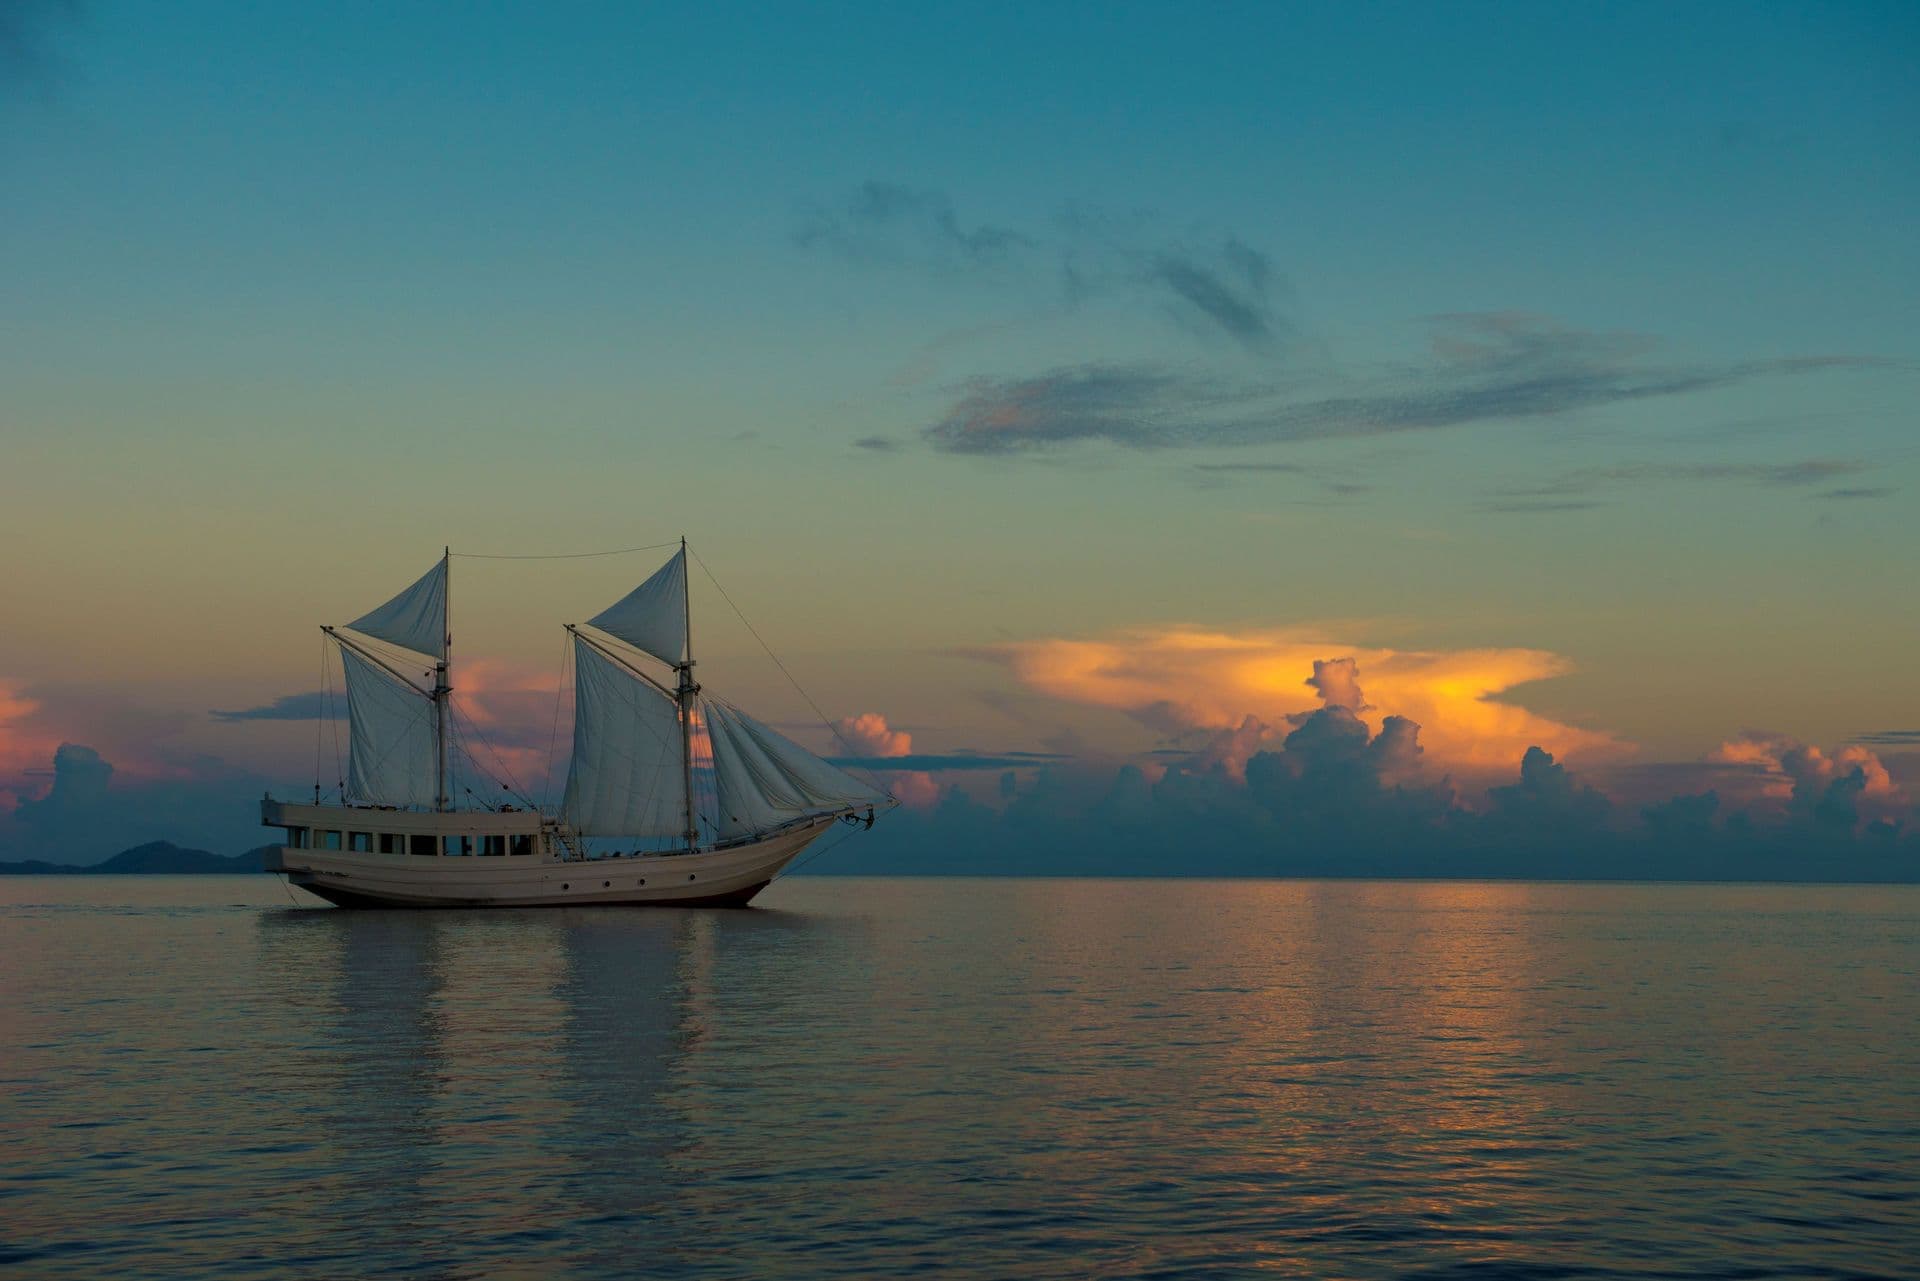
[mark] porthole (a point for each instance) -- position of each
(689, 876)
(565, 886)
(643, 880)
(606, 885)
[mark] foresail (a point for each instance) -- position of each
(762, 778)
(416, 619)
(391, 724)
(627, 776)
(653, 616)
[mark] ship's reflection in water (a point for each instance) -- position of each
(994, 1078)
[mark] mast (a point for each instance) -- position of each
(687, 690)
(442, 691)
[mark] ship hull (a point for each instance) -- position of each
(728, 877)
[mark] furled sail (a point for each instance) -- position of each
(627, 776)
(416, 619)
(653, 616)
(392, 761)
(762, 778)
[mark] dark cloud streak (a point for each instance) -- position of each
(1487, 368)
(309, 706)
(1225, 289)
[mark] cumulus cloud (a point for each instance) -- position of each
(82, 810)
(869, 735)
(1182, 679)
(1836, 787)
(1495, 367)
(1337, 681)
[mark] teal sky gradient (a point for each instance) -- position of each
(294, 296)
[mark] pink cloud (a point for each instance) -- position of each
(869, 735)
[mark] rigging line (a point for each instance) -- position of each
(424, 709)
(553, 734)
(831, 728)
(471, 732)
(617, 551)
(333, 717)
(320, 721)
(818, 850)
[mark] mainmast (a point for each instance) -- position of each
(687, 690)
(442, 691)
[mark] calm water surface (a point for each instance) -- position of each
(979, 1078)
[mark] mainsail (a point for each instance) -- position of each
(627, 777)
(392, 727)
(653, 616)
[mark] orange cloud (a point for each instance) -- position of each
(1185, 678)
(869, 735)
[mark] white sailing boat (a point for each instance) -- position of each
(714, 803)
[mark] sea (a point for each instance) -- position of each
(217, 1077)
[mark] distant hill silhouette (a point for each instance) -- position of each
(155, 858)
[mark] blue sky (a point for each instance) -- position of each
(1575, 329)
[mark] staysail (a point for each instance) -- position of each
(392, 728)
(627, 777)
(653, 616)
(763, 778)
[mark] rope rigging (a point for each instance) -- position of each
(832, 729)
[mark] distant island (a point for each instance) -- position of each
(155, 858)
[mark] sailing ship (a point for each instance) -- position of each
(713, 803)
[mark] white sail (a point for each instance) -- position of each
(653, 616)
(391, 722)
(416, 619)
(762, 778)
(627, 776)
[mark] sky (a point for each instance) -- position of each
(1059, 380)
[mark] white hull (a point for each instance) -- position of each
(726, 877)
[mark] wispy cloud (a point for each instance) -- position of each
(1232, 294)
(1485, 368)
(1859, 492)
(888, 222)
(1216, 286)
(1586, 480)
(310, 706)
(1890, 738)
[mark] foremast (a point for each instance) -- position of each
(688, 688)
(442, 686)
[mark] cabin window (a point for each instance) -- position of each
(329, 841)
(493, 845)
(459, 845)
(425, 845)
(297, 837)
(523, 844)
(360, 842)
(391, 844)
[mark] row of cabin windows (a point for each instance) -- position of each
(321, 838)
